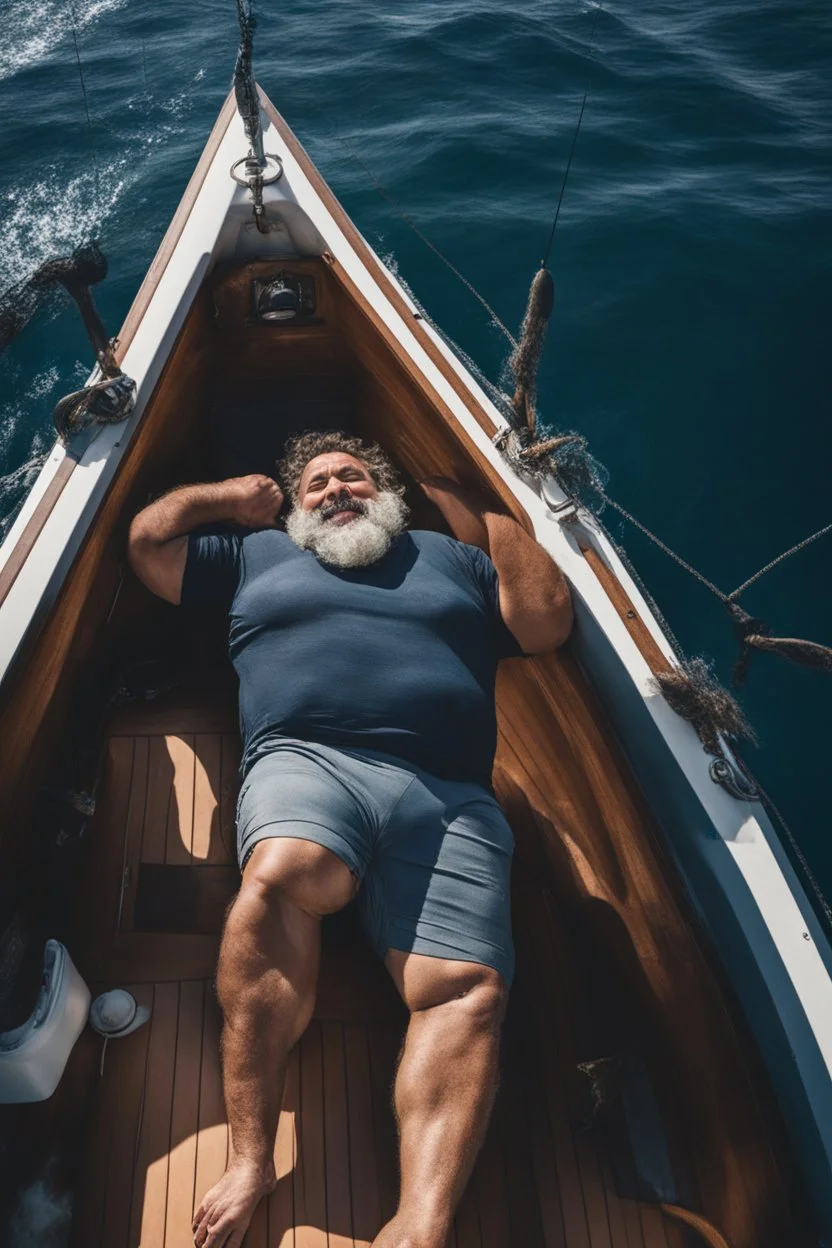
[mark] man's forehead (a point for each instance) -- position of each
(330, 461)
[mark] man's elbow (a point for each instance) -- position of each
(140, 548)
(152, 564)
(545, 630)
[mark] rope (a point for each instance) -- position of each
(245, 89)
(808, 874)
(724, 598)
(751, 632)
(525, 359)
(408, 220)
(545, 259)
(752, 580)
(84, 97)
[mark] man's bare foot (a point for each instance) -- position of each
(223, 1217)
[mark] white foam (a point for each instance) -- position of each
(56, 212)
(31, 31)
(50, 216)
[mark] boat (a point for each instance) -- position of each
(667, 1066)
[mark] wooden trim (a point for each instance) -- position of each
(371, 261)
(174, 231)
(34, 526)
(647, 645)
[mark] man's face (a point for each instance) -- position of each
(341, 515)
(337, 485)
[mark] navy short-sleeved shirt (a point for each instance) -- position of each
(399, 656)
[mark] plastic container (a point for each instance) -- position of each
(33, 1056)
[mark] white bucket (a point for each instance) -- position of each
(33, 1056)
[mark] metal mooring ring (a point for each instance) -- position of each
(266, 177)
(729, 777)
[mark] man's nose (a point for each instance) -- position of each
(336, 489)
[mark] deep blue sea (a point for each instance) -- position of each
(691, 341)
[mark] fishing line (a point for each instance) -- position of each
(144, 68)
(408, 220)
(545, 259)
(71, 7)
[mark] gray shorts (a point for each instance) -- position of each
(433, 857)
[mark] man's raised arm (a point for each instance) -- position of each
(535, 602)
(158, 542)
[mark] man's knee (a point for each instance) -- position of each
(307, 874)
(484, 1002)
(479, 993)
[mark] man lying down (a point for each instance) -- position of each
(366, 655)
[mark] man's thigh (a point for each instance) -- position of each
(303, 792)
(439, 883)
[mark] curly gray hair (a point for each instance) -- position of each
(304, 447)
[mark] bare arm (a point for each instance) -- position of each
(535, 602)
(158, 542)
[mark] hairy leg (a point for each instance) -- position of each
(444, 1091)
(266, 981)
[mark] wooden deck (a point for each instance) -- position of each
(157, 1134)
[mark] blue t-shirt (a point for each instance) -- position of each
(399, 656)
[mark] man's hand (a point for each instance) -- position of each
(253, 501)
(463, 509)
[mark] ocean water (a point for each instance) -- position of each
(693, 256)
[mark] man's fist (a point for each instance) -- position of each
(254, 501)
(462, 507)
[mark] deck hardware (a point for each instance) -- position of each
(734, 781)
(282, 297)
(567, 510)
(256, 178)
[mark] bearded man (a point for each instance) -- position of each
(367, 657)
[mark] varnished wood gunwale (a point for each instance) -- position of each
(648, 647)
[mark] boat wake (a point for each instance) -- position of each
(50, 216)
(32, 31)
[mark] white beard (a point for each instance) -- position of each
(356, 544)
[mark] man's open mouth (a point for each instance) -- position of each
(343, 505)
